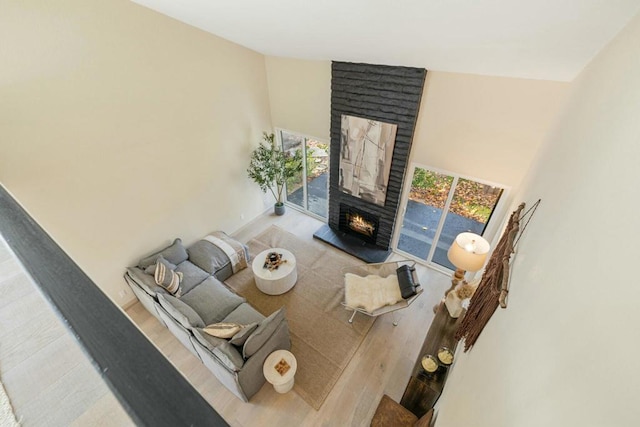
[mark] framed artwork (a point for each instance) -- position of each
(366, 152)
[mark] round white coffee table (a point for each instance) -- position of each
(279, 281)
(284, 360)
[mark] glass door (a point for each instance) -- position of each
(438, 207)
(310, 188)
(428, 197)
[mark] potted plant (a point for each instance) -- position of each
(270, 167)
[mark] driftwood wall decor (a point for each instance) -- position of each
(494, 285)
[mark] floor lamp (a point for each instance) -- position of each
(468, 252)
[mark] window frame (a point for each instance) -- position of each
(305, 209)
(496, 219)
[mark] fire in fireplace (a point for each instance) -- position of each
(361, 225)
(358, 223)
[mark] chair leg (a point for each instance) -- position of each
(352, 316)
(393, 317)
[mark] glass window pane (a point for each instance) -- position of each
(470, 210)
(295, 192)
(317, 176)
(427, 197)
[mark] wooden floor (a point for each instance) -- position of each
(50, 382)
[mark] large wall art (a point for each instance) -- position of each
(366, 152)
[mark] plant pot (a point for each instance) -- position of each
(278, 209)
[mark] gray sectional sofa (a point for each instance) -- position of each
(205, 300)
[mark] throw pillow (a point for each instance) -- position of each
(167, 278)
(262, 333)
(151, 270)
(222, 330)
(175, 254)
(241, 336)
(229, 356)
(405, 280)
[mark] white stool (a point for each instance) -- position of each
(281, 383)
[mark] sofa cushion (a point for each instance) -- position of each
(219, 255)
(192, 275)
(241, 336)
(263, 332)
(145, 281)
(244, 314)
(212, 300)
(180, 311)
(207, 256)
(175, 254)
(167, 278)
(227, 354)
(222, 329)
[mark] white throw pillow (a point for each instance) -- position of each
(222, 330)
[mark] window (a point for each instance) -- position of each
(440, 205)
(309, 189)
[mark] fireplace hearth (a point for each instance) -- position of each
(351, 244)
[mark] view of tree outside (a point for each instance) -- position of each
(471, 199)
(317, 158)
(317, 168)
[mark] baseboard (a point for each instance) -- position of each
(246, 226)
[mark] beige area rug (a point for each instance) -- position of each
(7, 418)
(322, 338)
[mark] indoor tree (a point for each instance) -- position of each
(270, 167)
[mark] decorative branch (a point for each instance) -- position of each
(493, 287)
(504, 286)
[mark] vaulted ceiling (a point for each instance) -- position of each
(541, 39)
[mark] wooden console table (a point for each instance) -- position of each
(423, 391)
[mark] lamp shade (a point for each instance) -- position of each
(468, 251)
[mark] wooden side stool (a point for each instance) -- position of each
(393, 414)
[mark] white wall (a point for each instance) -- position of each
(300, 95)
(565, 352)
(484, 127)
(121, 129)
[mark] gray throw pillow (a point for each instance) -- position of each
(262, 333)
(175, 254)
(241, 337)
(229, 356)
(180, 311)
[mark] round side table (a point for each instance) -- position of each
(281, 383)
(275, 282)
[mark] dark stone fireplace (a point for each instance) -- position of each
(381, 93)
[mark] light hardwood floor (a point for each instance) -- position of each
(51, 383)
(48, 379)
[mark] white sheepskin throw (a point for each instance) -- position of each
(371, 292)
